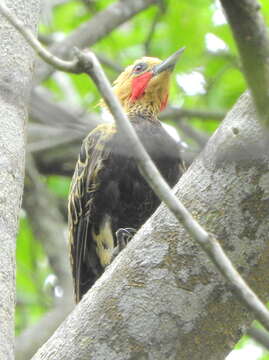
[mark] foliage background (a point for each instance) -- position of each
(207, 78)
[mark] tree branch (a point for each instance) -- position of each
(109, 63)
(252, 40)
(199, 137)
(44, 110)
(48, 225)
(15, 84)
(179, 113)
(95, 29)
(151, 31)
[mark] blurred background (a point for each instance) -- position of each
(64, 108)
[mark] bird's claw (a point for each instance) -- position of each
(123, 236)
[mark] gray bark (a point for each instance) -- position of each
(162, 298)
(16, 68)
(252, 39)
(49, 228)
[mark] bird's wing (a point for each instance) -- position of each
(85, 264)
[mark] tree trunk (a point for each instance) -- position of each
(162, 298)
(16, 64)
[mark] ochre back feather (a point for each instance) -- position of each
(83, 186)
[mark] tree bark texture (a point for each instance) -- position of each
(162, 298)
(252, 39)
(16, 68)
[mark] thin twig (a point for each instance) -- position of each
(151, 32)
(89, 62)
(109, 63)
(53, 141)
(252, 39)
(260, 336)
(161, 11)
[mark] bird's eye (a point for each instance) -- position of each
(140, 67)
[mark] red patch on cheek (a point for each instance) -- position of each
(164, 102)
(139, 85)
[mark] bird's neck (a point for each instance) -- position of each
(138, 112)
(148, 106)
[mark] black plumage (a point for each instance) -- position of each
(108, 192)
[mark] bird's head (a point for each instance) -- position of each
(143, 87)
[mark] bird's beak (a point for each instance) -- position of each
(168, 64)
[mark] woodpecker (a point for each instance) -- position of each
(109, 199)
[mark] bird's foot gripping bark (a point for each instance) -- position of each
(123, 236)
